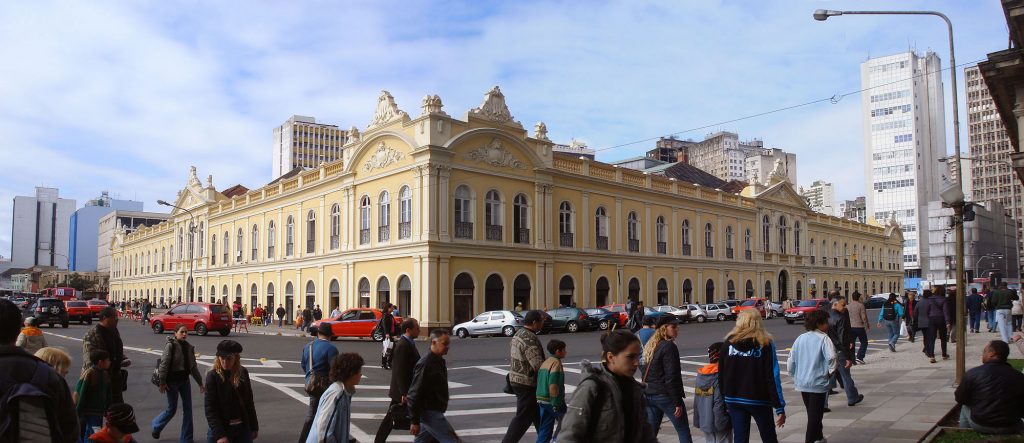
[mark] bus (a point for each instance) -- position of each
(64, 294)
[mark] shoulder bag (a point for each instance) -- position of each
(155, 378)
(317, 383)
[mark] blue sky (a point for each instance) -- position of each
(125, 96)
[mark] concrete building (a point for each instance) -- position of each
(821, 197)
(991, 232)
(904, 133)
(40, 229)
(575, 148)
(671, 150)
(301, 142)
(759, 166)
(120, 221)
(855, 209)
(722, 154)
(84, 230)
(418, 216)
(640, 163)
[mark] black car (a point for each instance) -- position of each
(602, 317)
(49, 311)
(875, 302)
(569, 319)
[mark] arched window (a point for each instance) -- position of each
(812, 250)
(271, 239)
(181, 242)
(521, 219)
(384, 217)
(728, 242)
(766, 229)
(633, 232)
(364, 220)
(238, 245)
(463, 213)
(404, 213)
(709, 241)
(335, 226)
(492, 215)
(364, 293)
(824, 253)
(310, 294)
(796, 237)
(835, 254)
(202, 239)
(383, 291)
(782, 234)
(687, 248)
(846, 255)
(565, 225)
(227, 247)
(661, 235)
(213, 251)
(289, 237)
(311, 232)
(601, 228)
(747, 251)
(662, 292)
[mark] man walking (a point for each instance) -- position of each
(527, 358)
(859, 325)
(932, 313)
(280, 315)
(387, 326)
(974, 310)
(317, 313)
(842, 337)
(990, 310)
(428, 393)
(105, 337)
(146, 307)
(404, 358)
(316, 363)
(1002, 301)
(910, 315)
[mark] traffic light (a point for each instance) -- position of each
(968, 212)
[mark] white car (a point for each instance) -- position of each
(680, 313)
(718, 311)
(490, 323)
(695, 313)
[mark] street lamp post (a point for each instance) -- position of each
(191, 233)
(824, 14)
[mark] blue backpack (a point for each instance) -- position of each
(26, 410)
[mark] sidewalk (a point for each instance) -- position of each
(273, 329)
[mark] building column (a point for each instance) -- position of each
(585, 300)
(442, 199)
(584, 221)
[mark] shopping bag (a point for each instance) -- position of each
(903, 329)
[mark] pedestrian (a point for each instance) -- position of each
(859, 325)
(92, 394)
(280, 315)
(118, 425)
(31, 339)
(298, 317)
(335, 312)
(645, 333)
(317, 313)
(333, 420)
(609, 404)
(106, 337)
(663, 378)
(146, 308)
(307, 320)
(59, 360)
(230, 411)
(709, 413)
(176, 365)
(316, 364)
(428, 393)
(404, 358)
(950, 308)
(910, 315)
(636, 318)
(390, 331)
(1017, 313)
(519, 306)
(990, 309)
(527, 355)
(890, 315)
(812, 360)
(257, 314)
(840, 332)
(974, 310)
(934, 309)
(551, 392)
(750, 379)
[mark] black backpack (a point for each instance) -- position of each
(26, 409)
(889, 312)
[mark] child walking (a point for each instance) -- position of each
(92, 394)
(812, 361)
(551, 392)
(708, 404)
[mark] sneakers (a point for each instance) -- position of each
(832, 392)
(156, 434)
(945, 357)
(859, 399)
(892, 347)
(932, 359)
(860, 361)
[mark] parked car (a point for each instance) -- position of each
(570, 320)
(876, 301)
(602, 317)
(358, 322)
(78, 310)
(680, 313)
(96, 305)
(731, 303)
(198, 317)
(490, 323)
(620, 309)
(49, 311)
(798, 312)
(718, 311)
(693, 312)
(776, 309)
(752, 303)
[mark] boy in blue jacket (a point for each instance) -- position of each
(812, 361)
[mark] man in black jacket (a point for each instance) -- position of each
(990, 394)
(840, 332)
(307, 320)
(280, 315)
(387, 326)
(404, 358)
(428, 394)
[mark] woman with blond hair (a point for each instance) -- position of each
(749, 378)
(59, 360)
(230, 410)
(664, 381)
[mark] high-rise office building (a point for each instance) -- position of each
(83, 230)
(821, 197)
(853, 210)
(39, 232)
(904, 134)
(302, 142)
(722, 154)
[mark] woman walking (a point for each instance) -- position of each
(334, 414)
(890, 314)
(230, 410)
(749, 375)
(609, 404)
(811, 364)
(176, 365)
(664, 381)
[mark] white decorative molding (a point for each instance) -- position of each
(193, 178)
(383, 157)
(387, 111)
(495, 154)
(353, 136)
(540, 131)
(432, 105)
(494, 108)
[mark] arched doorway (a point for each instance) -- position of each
(238, 294)
(364, 293)
(335, 295)
(768, 289)
(254, 292)
(383, 292)
(601, 291)
(749, 289)
(687, 291)
(709, 291)
(799, 290)
(270, 297)
(289, 302)
(856, 286)
(662, 292)
(634, 289)
(494, 293)
(731, 290)
(405, 296)
(463, 298)
(783, 285)
(824, 289)
(310, 294)
(521, 291)
(566, 288)
(846, 289)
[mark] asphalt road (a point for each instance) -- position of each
(478, 409)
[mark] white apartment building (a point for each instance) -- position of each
(759, 166)
(302, 142)
(821, 197)
(904, 135)
(40, 229)
(722, 154)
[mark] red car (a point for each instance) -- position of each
(751, 303)
(358, 322)
(96, 305)
(198, 317)
(619, 308)
(79, 310)
(803, 307)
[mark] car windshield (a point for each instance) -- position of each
(808, 304)
(78, 304)
(748, 302)
(596, 311)
(218, 309)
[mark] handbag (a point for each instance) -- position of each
(400, 417)
(508, 386)
(317, 383)
(155, 378)
(124, 380)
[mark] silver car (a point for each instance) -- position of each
(490, 323)
(718, 311)
(695, 312)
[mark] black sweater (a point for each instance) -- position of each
(663, 376)
(429, 389)
(993, 392)
(225, 402)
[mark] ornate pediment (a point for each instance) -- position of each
(494, 108)
(783, 192)
(495, 154)
(387, 111)
(384, 156)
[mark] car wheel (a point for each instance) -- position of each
(64, 325)
(572, 327)
(158, 327)
(700, 319)
(224, 332)
(603, 325)
(462, 333)
(378, 336)
(508, 331)
(721, 317)
(201, 329)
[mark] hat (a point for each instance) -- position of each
(666, 319)
(122, 417)
(648, 321)
(30, 321)
(228, 347)
(324, 329)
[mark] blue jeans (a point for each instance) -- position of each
(659, 405)
(434, 424)
(990, 318)
(862, 335)
(89, 424)
(235, 434)
(842, 371)
(174, 390)
(1003, 319)
(894, 330)
(967, 423)
(762, 415)
(548, 418)
(975, 320)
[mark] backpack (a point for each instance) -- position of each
(155, 378)
(889, 312)
(27, 411)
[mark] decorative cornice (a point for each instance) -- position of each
(494, 108)
(383, 157)
(432, 105)
(495, 154)
(387, 111)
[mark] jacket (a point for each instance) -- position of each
(31, 339)
(323, 353)
(812, 361)
(551, 373)
(910, 312)
(596, 411)
(1002, 298)
(179, 356)
(429, 388)
(103, 436)
(993, 392)
(662, 374)
(858, 314)
(280, 312)
(527, 356)
(896, 307)
(387, 324)
(840, 333)
(224, 400)
(93, 390)
(19, 366)
(974, 303)
(333, 420)
(107, 339)
(709, 413)
(749, 374)
(933, 307)
(403, 360)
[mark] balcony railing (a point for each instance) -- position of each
(289, 250)
(565, 239)
(602, 242)
(364, 236)
(709, 251)
(404, 230)
(384, 233)
(662, 247)
(494, 232)
(634, 245)
(270, 252)
(310, 246)
(748, 254)
(687, 249)
(812, 259)
(728, 253)
(523, 236)
(335, 241)
(463, 229)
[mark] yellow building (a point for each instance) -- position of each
(415, 213)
